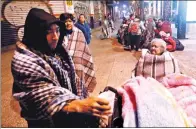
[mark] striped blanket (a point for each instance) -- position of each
(41, 87)
(156, 66)
(82, 58)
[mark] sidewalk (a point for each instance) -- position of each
(187, 58)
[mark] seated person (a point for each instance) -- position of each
(156, 62)
(122, 33)
(45, 79)
(163, 26)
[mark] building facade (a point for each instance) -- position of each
(14, 13)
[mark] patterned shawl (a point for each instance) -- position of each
(156, 66)
(82, 58)
(41, 87)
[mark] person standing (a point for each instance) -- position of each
(129, 21)
(105, 28)
(84, 27)
(135, 29)
(75, 43)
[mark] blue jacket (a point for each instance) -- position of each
(85, 29)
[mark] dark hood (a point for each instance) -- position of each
(35, 30)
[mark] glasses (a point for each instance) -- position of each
(52, 31)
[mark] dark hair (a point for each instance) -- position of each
(35, 30)
(131, 15)
(137, 17)
(81, 15)
(65, 16)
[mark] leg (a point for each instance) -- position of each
(133, 37)
(137, 42)
(130, 41)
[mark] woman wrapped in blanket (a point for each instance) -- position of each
(44, 78)
(75, 43)
(156, 62)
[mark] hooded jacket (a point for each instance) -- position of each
(36, 25)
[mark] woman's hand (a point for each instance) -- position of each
(93, 105)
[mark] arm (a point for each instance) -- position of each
(172, 44)
(88, 33)
(34, 87)
(42, 97)
(156, 31)
(142, 26)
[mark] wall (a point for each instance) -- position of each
(14, 14)
(81, 7)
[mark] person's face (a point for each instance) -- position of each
(132, 17)
(82, 19)
(69, 24)
(156, 48)
(53, 36)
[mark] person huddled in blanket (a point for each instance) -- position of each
(156, 61)
(45, 77)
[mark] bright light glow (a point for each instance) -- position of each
(190, 9)
(124, 6)
(124, 11)
(116, 8)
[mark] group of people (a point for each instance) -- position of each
(136, 34)
(54, 74)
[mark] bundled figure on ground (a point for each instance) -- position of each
(173, 44)
(45, 78)
(164, 26)
(156, 62)
(163, 30)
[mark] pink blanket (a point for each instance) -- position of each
(183, 88)
(147, 103)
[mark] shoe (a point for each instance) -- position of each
(126, 48)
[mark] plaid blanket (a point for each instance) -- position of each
(156, 66)
(37, 87)
(82, 58)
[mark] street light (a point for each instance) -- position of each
(124, 6)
